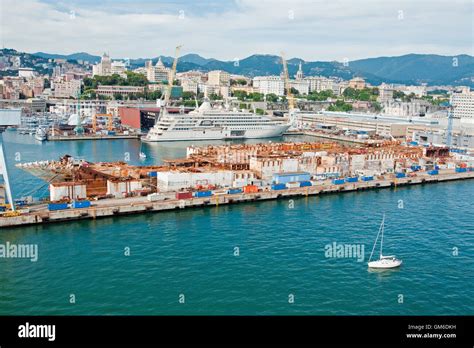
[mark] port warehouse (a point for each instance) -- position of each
(421, 129)
(214, 170)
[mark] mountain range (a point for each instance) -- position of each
(410, 69)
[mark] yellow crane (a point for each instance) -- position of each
(289, 95)
(171, 76)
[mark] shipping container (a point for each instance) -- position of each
(201, 194)
(292, 185)
(463, 165)
(400, 175)
(278, 187)
(471, 169)
(152, 174)
(234, 191)
(250, 189)
(436, 167)
(461, 170)
(352, 179)
(433, 172)
(153, 197)
(81, 204)
(338, 181)
(367, 178)
(20, 202)
(184, 195)
(305, 183)
(283, 178)
(415, 168)
(57, 206)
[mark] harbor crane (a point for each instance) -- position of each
(286, 76)
(169, 88)
(449, 129)
(289, 96)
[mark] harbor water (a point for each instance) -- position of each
(246, 259)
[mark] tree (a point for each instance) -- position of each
(118, 96)
(294, 91)
(340, 105)
(240, 95)
(214, 96)
(350, 93)
(271, 97)
(188, 95)
(256, 96)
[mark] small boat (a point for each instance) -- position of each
(384, 262)
(142, 155)
(41, 134)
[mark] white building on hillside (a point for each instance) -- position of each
(463, 105)
(157, 73)
(218, 77)
(269, 85)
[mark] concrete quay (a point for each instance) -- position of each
(135, 205)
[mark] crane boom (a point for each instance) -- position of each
(289, 95)
(171, 76)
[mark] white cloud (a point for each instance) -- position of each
(313, 30)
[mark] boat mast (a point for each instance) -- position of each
(381, 240)
(377, 238)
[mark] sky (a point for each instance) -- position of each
(313, 30)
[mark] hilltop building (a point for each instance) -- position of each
(157, 73)
(463, 104)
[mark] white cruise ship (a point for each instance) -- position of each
(207, 123)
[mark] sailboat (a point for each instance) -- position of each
(142, 155)
(384, 262)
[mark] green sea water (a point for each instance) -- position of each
(245, 259)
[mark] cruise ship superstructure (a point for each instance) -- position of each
(207, 123)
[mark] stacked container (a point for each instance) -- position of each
(184, 195)
(81, 204)
(250, 189)
(202, 194)
(292, 185)
(278, 187)
(57, 206)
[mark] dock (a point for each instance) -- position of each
(137, 205)
(92, 137)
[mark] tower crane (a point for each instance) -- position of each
(449, 130)
(169, 88)
(289, 96)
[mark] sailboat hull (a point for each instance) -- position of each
(385, 264)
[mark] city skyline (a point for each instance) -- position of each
(129, 29)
